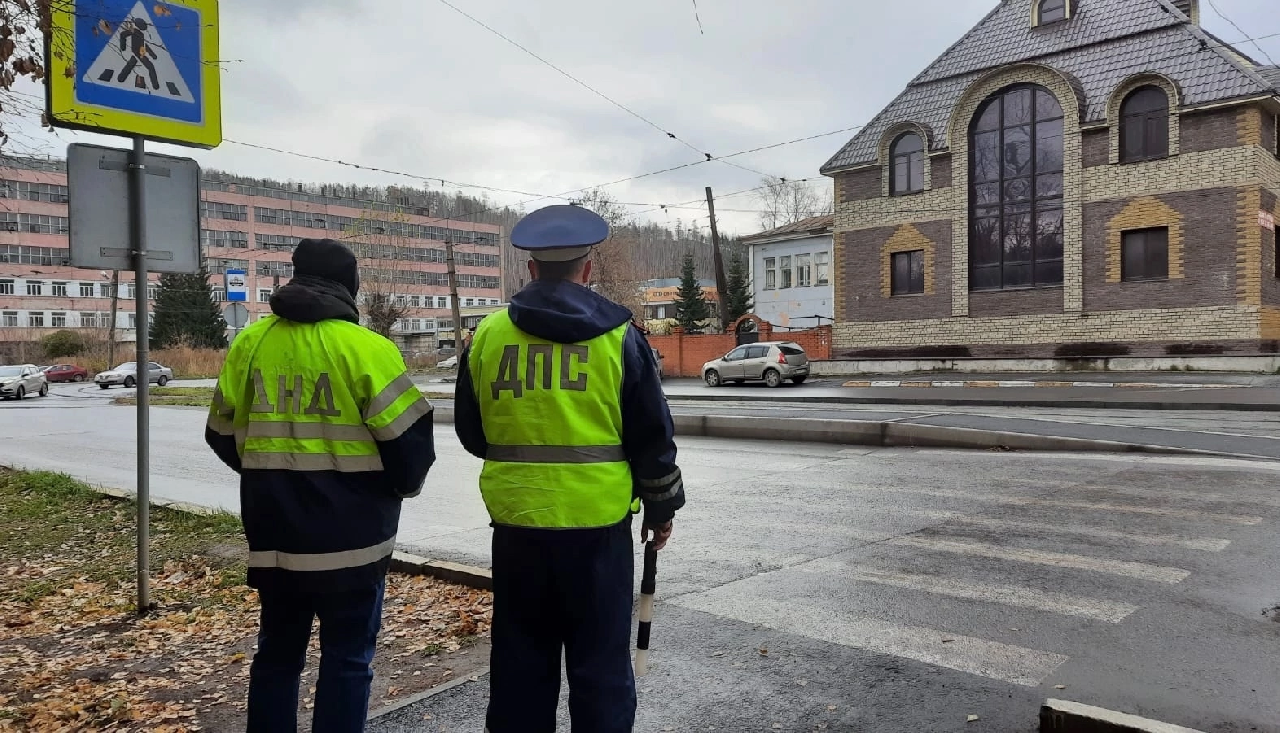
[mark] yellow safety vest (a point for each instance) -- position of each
(552, 417)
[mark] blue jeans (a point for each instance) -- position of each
(349, 624)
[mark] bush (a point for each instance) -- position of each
(63, 344)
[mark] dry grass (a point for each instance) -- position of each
(186, 362)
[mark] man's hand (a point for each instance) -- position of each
(661, 533)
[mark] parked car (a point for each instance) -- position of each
(127, 375)
(771, 361)
(18, 381)
(65, 373)
(450, 363)
(657, 357)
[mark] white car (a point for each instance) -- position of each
(127, 375)
(19, 381)
(450, 363)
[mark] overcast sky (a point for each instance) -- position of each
(414, 86)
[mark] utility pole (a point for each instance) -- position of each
(115, 306)
(453, 295)
(722, 310)
(138, 237)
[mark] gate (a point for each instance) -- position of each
(747, 333)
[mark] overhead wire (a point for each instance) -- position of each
(1235, 25)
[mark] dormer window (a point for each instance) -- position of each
(907, 159)
(1051, 11)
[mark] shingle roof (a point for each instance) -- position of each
(1105, 42)
(813, 225)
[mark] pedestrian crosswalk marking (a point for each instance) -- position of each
(1084, 505)
(1205, 544)
(1005, 662)
(1126, 568)
(1060, 603)
(135, 59)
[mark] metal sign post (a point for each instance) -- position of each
(138, 248)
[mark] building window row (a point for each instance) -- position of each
(21, 254)
(276, 242)
(809, 269)
(29, 191)
(369, 228)
(219, 210)
(34, 223)
(220, 265)
(63, 319)
(223, 238)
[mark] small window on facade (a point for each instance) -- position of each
(87, 290)
(58, 320)
(907, 273)
(35, 319)
(6, 287)
(1145, 255)
(9, 319)
(822, 268)
(60, 290)
(35, 287)
(770, 273)
(907, 160)
(1144, 125)
(1052, 11)
(804, 270)
(784, 265)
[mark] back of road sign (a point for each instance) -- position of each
(98, 204)
(136, 68)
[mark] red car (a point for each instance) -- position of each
(66, 373)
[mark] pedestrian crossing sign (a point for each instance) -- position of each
(136, 67)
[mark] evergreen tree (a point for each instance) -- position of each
(691, 308)
(737, 289)
(186, 314)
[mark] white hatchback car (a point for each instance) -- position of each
(771, 361)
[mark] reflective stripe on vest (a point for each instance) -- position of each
(321, 562)
(552, 415)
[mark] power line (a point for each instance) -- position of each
(1256, 45)
(592, 89)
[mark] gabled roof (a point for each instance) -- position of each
(813, 226)
(1105, 42)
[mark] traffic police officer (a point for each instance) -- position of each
(559, 394)
(329, 435)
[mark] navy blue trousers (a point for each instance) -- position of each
(349, 624)
(554, 591)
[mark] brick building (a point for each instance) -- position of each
(245, 224)
(1071, 177)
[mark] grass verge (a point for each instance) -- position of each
(74, 655)
(202, 396)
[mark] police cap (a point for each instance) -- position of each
(559, 233)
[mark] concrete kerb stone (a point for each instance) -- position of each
(923, 398)
(1064, 716)
(425, 694)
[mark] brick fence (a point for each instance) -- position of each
(684, 354)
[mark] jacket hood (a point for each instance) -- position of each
(309, 299)
(564, 312)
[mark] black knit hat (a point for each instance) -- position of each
(325, 258)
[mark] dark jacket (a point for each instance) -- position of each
(567, 313)
(323, 512)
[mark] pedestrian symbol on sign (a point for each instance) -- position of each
(136, 59)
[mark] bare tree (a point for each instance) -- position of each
(615, 272)
(787, 202)
(376, 243)
(24, 25)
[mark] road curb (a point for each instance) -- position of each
(1064, 716)
(426, 694)
(898, 435)
(921, 398)
(452, 572)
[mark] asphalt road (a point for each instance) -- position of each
(867, 589)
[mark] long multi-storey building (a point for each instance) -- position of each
(245, 224)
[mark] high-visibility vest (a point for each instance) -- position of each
(552, 417)
(313, 396)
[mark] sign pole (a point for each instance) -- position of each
(138, 248)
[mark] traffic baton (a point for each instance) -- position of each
(648, 579)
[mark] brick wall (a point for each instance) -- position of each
(1202, 264)
(684, 354)
(859, 185)
(1212, 130)
(1094, 148)
(995, 303)
(1269, 122)
(868, 286)
(941, 173)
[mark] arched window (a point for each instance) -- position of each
(1144, 125)
(1052, 11)
(907, 160)
(1015, 196)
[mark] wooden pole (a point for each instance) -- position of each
(723, 309)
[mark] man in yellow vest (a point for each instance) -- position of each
(318, 416)
(559, 394)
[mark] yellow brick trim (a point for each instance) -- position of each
(1269, 326)
(1072, 178)
(906, 239)
(1133, 326)
(1129, 86)
(1223, 168)
(1249, 126)
(1144, 213)
(1248, 247)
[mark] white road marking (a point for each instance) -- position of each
(1110, 611)
(1066, 504)
(1206, 544)
(989, 659)
(1126, 568)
